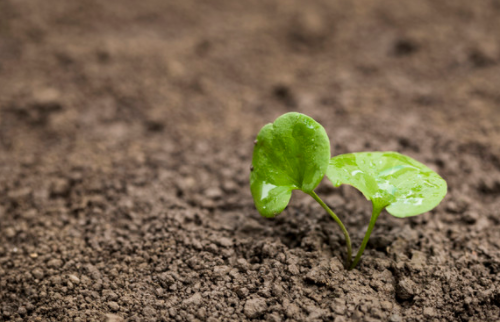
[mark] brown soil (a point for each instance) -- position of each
(126, 133)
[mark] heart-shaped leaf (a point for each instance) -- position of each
(389, 179)
(292, 153)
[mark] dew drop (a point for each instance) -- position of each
(266, 188)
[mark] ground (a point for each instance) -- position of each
(126, 135)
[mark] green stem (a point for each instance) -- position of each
(375, 213)
(337, 220)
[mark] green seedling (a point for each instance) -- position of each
(293, 153)
(398, 183)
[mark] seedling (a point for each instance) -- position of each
(293, 153)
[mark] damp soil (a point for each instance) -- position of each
(126, 133)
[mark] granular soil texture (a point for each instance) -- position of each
(126, 134)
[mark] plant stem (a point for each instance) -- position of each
(337, 220)
(375, 213)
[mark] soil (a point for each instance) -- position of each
(126, 135)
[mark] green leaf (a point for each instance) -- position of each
(389, 179)
(292, 153)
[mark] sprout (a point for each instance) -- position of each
(293, 153)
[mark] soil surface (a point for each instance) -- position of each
(126, 135)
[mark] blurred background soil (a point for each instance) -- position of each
(126, 134)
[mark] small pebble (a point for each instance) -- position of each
(113, 305)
